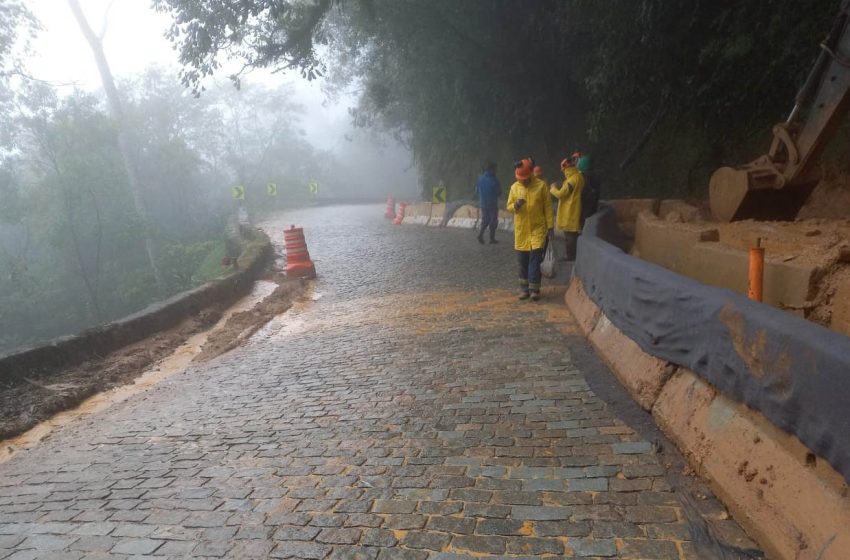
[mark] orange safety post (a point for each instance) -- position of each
(399, 218)
(390, 211)
(756, 289)
(298, 263)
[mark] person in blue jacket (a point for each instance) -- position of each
(488, 190)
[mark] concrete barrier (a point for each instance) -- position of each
(99, 341)
(693, 250)
(466, 216)
(792, 504)
(795, 505)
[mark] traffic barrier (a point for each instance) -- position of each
(399, 218)
(298, 263)
(753, 396)
(390, 211)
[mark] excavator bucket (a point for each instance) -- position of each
(777, 185)
(747, 192)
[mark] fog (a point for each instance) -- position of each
(103, 215)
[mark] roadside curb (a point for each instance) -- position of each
(256, 252)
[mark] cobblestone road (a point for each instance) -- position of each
(415, 410)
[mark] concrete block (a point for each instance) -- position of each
(642, 374)
(586, 312)
(667, 244)
(466, 216)
(795, 505)
(691, 250)
(436, 214)
(417, 209)
(786, 284)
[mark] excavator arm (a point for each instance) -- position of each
(776, 185)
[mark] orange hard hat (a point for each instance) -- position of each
(523, 169)
(538, 171)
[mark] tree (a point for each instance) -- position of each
(661, 91)
(124, 136)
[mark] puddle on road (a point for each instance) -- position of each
(176, 362)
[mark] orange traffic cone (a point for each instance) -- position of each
(298, 263)
(390, 212)
(402, 206)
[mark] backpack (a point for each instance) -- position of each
(589, 196)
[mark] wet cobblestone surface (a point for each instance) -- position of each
(415, 410)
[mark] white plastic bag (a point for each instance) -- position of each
(549, 266)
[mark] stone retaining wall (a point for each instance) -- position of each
(256, 250)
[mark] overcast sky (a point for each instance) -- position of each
(134, 40)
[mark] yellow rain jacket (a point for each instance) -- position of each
(533, 221)
(569, 200)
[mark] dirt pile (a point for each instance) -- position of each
(242, 325)
(819, 246)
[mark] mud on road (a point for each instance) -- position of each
(29, 399)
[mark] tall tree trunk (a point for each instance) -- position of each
(124, 144)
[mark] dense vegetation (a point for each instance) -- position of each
(660, 91)
(72, 248)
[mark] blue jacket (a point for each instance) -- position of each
(488, 190)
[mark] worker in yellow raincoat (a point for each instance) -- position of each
(569, 203)
(531, 205)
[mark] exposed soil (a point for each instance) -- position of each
(240, 326)
(811, 241)
(26, 401)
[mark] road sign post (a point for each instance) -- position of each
(438, 194)
(238, 192)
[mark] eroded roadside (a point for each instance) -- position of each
(32, 407)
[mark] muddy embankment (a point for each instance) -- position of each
(39, 382)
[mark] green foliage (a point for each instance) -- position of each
(654, 83)
(210, 266)
(72, 250)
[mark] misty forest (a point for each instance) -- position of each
(116, 196)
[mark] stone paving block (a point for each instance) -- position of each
(426, 540)
(136, 546)
(588, 485)
(393, 506)
(378, 537)
(354, 553)
(301, 550)
(632, 447)
(583, 547)
(535, 547)
(540, 513)
(409, 411)
(47, 542)
(339, 536)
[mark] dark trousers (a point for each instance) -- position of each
(571, 243)
(529, 270)
(489, 218)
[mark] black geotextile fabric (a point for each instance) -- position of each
(793, 371)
